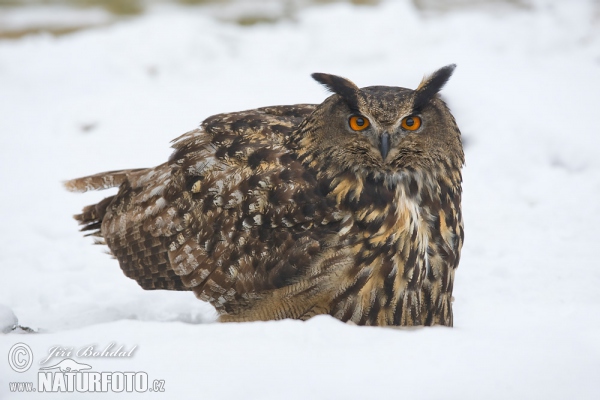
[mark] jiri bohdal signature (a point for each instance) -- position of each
(89, 351)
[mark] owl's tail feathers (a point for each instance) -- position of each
(91, 217)
(101, 181)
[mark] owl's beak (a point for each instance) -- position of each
(384, 146)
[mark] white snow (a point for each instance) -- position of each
(8, 319)
(526, 95)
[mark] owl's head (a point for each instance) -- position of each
(380, 130)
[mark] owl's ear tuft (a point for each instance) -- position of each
(341, 86)
(431, 85)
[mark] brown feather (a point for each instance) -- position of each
(285, 212)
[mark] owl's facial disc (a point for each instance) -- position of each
(381, 130)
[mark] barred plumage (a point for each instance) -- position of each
(289, 212)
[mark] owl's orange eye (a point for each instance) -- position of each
(359, 123)
(411, 123)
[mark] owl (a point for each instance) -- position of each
(351, 208)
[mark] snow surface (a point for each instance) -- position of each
(8, 319)
(526, 95)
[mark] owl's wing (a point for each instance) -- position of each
(249, 215)
(126, 224)
(232, 212)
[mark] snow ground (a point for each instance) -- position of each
(526, 95)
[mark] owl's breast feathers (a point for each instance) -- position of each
(237, 216)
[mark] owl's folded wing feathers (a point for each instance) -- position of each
(232, 213)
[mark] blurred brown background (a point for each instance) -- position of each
(19, 18)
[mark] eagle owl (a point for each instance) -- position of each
(351, 207)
